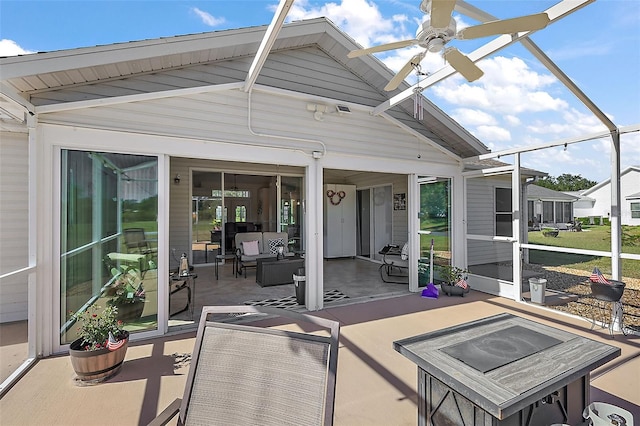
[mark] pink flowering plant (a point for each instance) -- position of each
(95, 324)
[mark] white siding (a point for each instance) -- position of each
(14, 231)
(223, 117)
(481, 221)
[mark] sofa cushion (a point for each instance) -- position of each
(250, 248)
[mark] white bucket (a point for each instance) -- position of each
(602, 414)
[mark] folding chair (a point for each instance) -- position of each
(244, 374)
(395, 264)
(136, 241)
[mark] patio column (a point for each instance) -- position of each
(314, 241)
(616, 229)
(516, 197)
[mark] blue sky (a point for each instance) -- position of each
(516, 103)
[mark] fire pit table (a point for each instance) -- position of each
(503, 370)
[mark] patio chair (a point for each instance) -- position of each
(136, 241)
(244, 374)
(395, 264)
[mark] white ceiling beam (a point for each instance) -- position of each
(555, 13)
(268, 40)
(561, 142)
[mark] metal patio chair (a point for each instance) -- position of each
(395, 264)
(244, 374)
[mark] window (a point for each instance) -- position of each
(504, 212)
(241, 214)
(635, 210)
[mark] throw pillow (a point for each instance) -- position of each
(404, 253)
(273, 245)
(250, 248)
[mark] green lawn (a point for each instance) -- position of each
(592, 238)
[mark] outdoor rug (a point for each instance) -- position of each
(290, 302)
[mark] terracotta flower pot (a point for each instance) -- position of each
(98, 365)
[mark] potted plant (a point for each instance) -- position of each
(126, 292)
(454, 280)
(99, 352)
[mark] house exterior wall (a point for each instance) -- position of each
(629, 184)
(207, 131)
(14, 224)
(481, 215)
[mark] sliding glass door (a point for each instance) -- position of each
(108, 238)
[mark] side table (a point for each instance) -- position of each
(225, 257)
(190, 284)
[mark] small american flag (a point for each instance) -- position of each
(113, 344)
(462, 283)
(597, 277)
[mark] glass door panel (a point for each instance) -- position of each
(435, 226)
(206, 216)
(109, 227)
(382, 211)
(291, 214)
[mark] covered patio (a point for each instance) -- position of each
(375, 384)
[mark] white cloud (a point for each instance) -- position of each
(11, 48)
(491, 134)
(473, 117)
(361, 19)
(207, 18)
(512, 120)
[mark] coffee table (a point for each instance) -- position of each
(271, 271)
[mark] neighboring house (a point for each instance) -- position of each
(546, 206)
(595, 202)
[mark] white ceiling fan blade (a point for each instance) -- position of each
(382, 48)
(462, 64)
(505, 26)
(404, 72)
(441, 11)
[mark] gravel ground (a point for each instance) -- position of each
(576, 282)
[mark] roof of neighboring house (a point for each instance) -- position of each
(542, 193)
(30, 79)
(608, 180)
(578, 195)
(488, 163)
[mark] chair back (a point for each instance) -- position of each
(135, 240)
(246, 374)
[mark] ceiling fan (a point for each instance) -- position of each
(440, 27)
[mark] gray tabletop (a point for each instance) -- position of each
(503, 387)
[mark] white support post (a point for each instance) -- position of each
(616, 229)
(516, 195)
(314, 241)
(413, 199)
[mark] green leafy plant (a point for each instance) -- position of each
(95, 324)
(451, 274)
(126, 287)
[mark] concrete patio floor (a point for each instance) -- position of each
(375, 384)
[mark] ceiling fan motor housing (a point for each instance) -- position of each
(434, 39)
